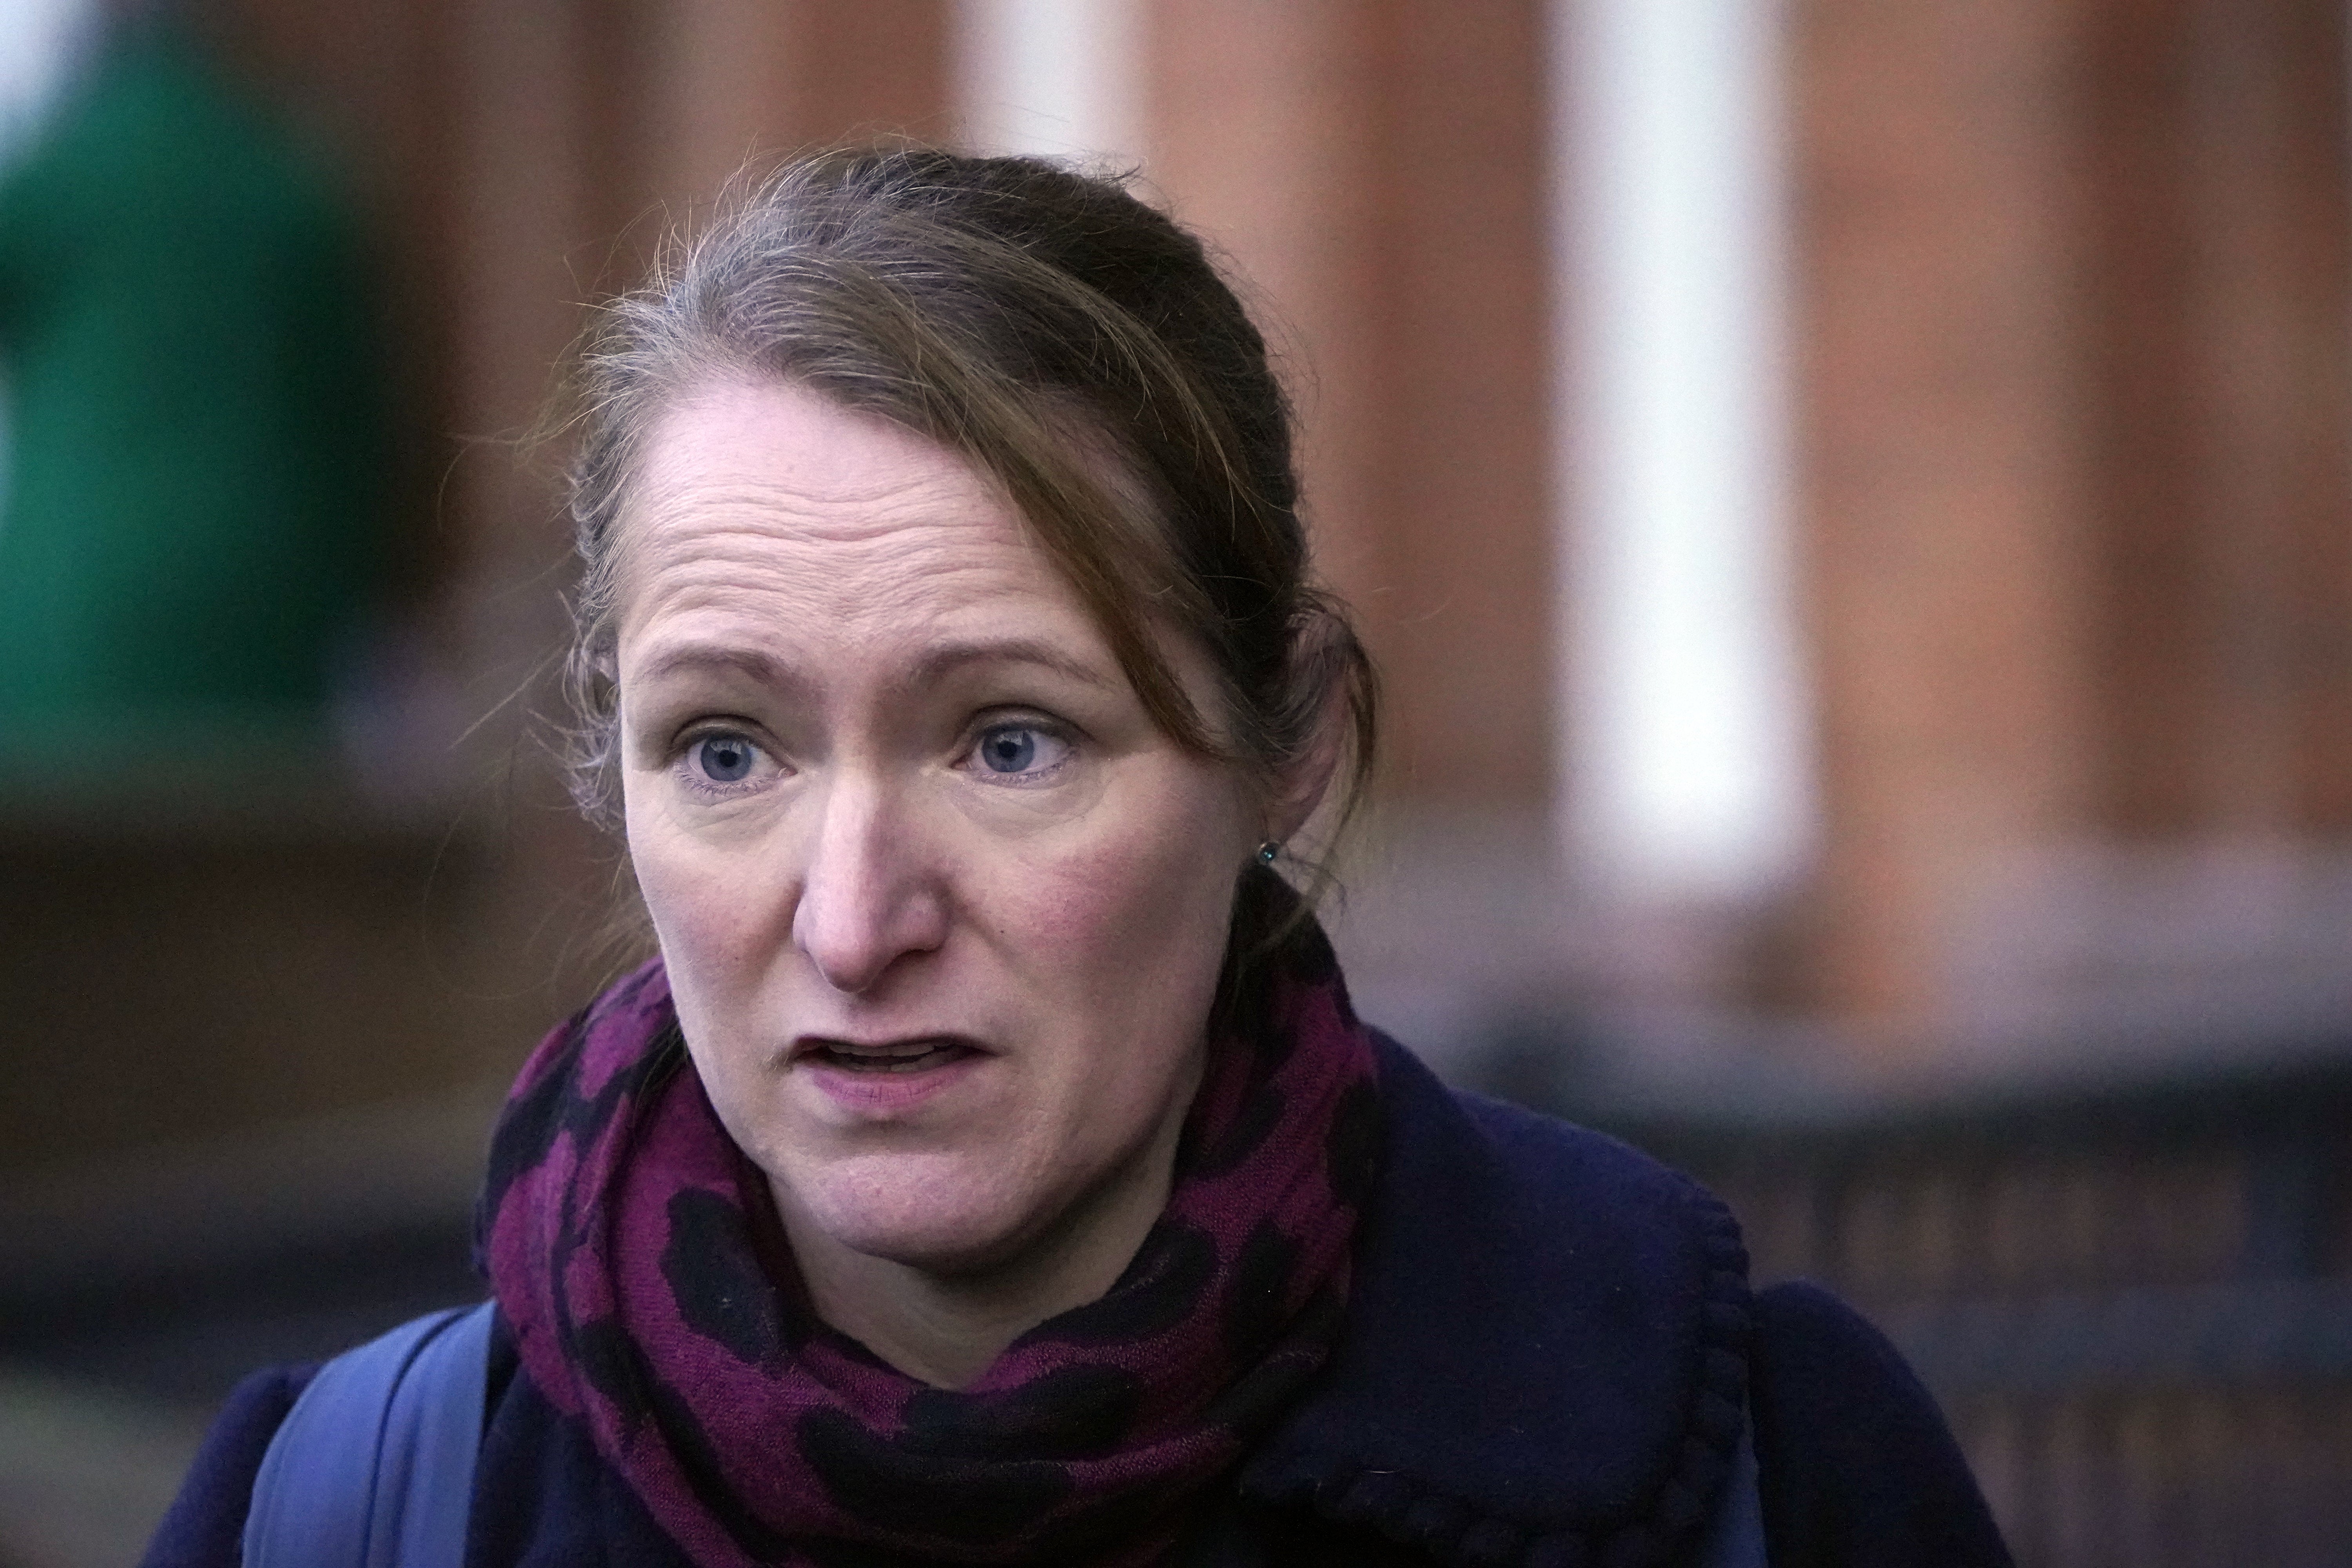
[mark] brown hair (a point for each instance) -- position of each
(1030, 318)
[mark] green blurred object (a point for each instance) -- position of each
(191, 514)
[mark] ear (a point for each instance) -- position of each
(1302, 784)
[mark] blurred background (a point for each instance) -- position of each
(1851, 499)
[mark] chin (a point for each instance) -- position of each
(938, 1222)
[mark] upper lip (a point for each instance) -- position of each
(895, 1044)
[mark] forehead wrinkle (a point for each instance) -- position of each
(695, 518)
(701, 458)
(908, 624)
(901, 589)
(796, 506)
(912, 568)
(748, 536)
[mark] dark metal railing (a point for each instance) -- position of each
(2134, 1299)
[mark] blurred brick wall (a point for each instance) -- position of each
(2072, 398)
(2070, 387)
(1378, 173)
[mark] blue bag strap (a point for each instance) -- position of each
(1735, 1537)
(373, 1468)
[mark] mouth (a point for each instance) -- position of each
(887, 1056)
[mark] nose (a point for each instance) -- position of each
(868, 897)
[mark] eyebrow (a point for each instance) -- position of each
(945, 659)
(937, 663)
(713, 658)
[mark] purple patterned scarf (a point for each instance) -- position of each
(637, 1256)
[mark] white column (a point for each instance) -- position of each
(1056, 76)
(1687, 728)
(42, 43)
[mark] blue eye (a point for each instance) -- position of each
(724, 759)
(1009, 751)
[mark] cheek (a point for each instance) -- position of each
(662, 862)
(705, 913)
(1138, 909)
(713, 948)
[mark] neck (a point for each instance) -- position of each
(945, 1327)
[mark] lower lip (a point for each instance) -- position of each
(882, 1094)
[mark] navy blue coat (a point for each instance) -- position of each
(1547, 1343)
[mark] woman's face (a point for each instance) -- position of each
(943, 910)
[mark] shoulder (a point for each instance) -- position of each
(1856, 1464)
(1464, 1138)
(206, 1525)
(543, 1497)
(1551, 1340)
(1545, 1342)
(1563, 1162)
(1539, 1205)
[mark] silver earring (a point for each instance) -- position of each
(1268, 851)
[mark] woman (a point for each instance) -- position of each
(991, 1168)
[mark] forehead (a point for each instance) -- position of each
(771, 509)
